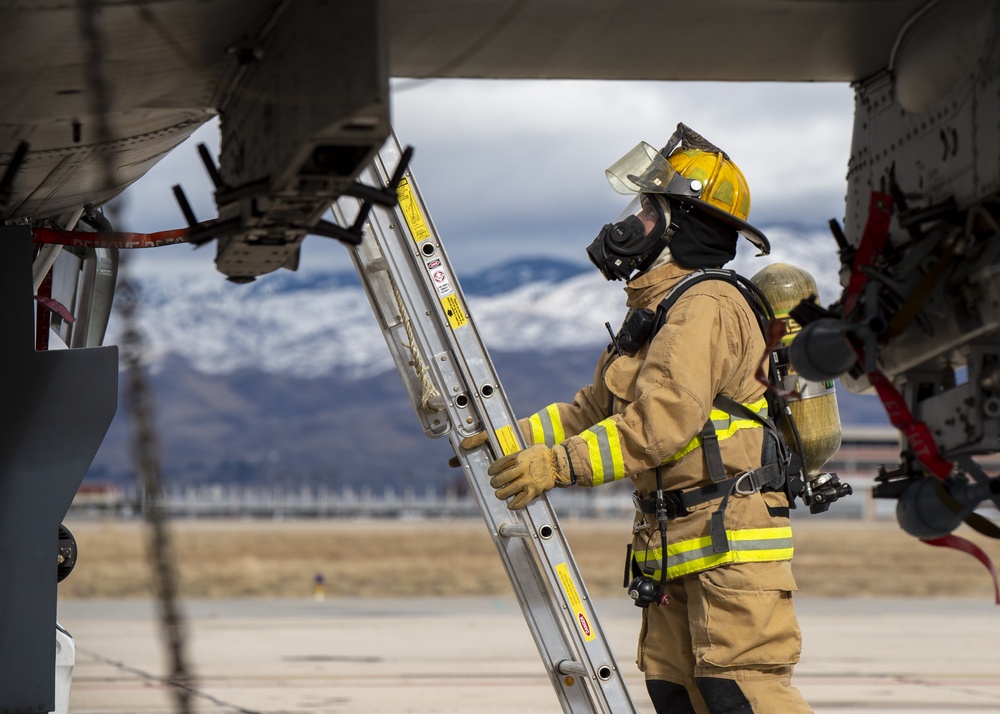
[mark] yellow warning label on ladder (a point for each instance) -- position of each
(453, 309)
(575, 603)
(411, 212)
(508, 442)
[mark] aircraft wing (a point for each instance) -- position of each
(96, 93)
(760, 40)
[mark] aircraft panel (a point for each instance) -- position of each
(767, 40)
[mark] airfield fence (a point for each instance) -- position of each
(862, 451)
(225, 501)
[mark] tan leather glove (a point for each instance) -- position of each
(528, 474)
(468, 444)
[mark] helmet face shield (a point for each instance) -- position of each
(645, 170)
(634, 240)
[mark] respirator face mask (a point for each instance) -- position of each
(634, 240)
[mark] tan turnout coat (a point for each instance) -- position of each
(649, 410)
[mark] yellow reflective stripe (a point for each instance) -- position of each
(594, 453)
(758, 407)
(752, 545)
(537, 433)
(604, 449)
(546, 426)
(735, 426)
(725, 426)
(691, 446)
(558, 433)
(758, 534)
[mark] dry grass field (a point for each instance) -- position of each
(368, 558)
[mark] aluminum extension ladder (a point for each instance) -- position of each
(455, 392)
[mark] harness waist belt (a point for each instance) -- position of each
(680, 502)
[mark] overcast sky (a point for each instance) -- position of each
(516, 168)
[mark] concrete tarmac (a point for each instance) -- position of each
(476, 655)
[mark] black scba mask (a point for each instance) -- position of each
(634, 241)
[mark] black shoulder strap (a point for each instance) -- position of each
(751, 293)
(731, 406)
(683, 284)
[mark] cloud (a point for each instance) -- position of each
(522, 163)
(512, 168)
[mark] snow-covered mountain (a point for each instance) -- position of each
(289, 379)
(311, 325)
(315, 324)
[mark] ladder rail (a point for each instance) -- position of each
(515, 553)
(416, 296)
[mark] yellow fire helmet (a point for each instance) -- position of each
(692, 170)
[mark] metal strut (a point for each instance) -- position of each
(455, 392)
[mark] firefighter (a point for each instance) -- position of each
(719, 631)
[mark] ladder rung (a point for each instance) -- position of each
(436, 403)
(517, 530)
(514, 530)
(568, 666)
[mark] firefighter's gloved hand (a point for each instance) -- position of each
(528, 474)
(468, 444)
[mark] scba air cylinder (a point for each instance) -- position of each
(813, 404)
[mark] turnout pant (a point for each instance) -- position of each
(725, 643)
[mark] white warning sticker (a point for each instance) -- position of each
(440, 277)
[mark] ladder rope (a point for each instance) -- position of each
(427, 389)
